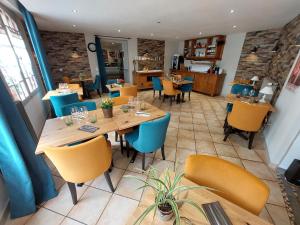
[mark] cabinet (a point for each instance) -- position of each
(143, 79)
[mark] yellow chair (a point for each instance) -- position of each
(246, 117)
(66, 79)
(128, 91)
(75, 87)
(228, 180)
(122, 100)
(170, 91)
(80, 163)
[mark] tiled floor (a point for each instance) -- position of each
(195, 128)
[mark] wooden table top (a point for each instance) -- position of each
(236, 214)
(57, 92)
(55, 133)
(82, 80)
(179, 83)
(117, 87)
(232, 97)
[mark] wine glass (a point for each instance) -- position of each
(74, 112)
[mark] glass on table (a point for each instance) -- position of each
(93, 117)
(68, 120)
(74, 112)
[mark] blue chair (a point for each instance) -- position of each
(157, 86)
(111, 81)
(96, 86)
(66, 110)
(61, 100)
(113, 94)
(187, 88)
(149, 137)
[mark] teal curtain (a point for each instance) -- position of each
(26, 175)
(37, 46)
(101, 64)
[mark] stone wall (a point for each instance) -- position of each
(155, 50)
(265, 63)
(59, 47)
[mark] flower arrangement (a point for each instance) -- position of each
(106, 103)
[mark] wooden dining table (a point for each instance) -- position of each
(56, 133)
(83, 82)
(117, 87)
(58, 92)
(236, 214)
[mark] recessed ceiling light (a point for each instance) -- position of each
(75, 11)
(151, 34)
(119, 30)
(234, 26)
(74, 25)
(200, 33)
(112, 43)
(231, 11)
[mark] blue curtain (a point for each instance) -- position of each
(37, 46)
(101, 64)
(27, 176)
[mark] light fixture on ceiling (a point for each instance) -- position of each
(151, 34)
(200, 33)
(74, 53)
(231, 11)
(75, 11)
(254, 49)
(119, 30)
(234, 26)
(112, 43)
(74, 25)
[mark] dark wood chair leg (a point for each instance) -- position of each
(171, 100)
(251, 138)
(163, 152)
(159, 94)
(98, 91)
(153, 93)
(116, 136)
(108, 180)
(189, 96)
(164, 98)
(178, 100)
(227, 133)
(80, 184)
(72, 189)
(121, 143)
(111, 166)
(127, 149)
(182, 96)
(143, 162)
(134, 156)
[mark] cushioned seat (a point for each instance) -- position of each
(61, 100)
(66, 110)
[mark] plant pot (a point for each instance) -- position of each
(165, 215)
(108, 113)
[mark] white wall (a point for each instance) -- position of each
(91, 55)
(171, 48)
(293, 153)
(181, 47)
(284, 127)
(230, 59)
(132, 54)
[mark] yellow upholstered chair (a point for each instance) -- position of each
(66, 79)
(246, 117)
(83, 162)
(75, 87)
(128, 91)
(122, 100)
(228, 180)
(170, 91)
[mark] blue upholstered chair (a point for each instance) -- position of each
(96, 86)
(111, 81)
(61, 100)
(113, 94)
(66, 110)
(157, 86)
(187, 88)
(149, 137)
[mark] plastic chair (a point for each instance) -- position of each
(128, 91)
(95, 86)
(149, 137)
(61, 100)
(157, 86)
(187, 88)
(246, 117)
(66, 110)
(170, 91)
(230, 181)
(83, 162)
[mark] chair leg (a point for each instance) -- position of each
(143, 162)
(72, 189)
(116, 136)
(159, 94)
(227, 133)
(189, 96)
(171, 100)
(182, 96)
(121, 143)
(163, 152)
(133, 157)
(164, 97)
(98, 91)
(251, 138)
(153, 93)
(108, 180)
(178, 100)
(127, 149)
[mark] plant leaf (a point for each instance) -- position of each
(144, 214)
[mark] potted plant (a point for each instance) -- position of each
(107, 107)
(166, 190)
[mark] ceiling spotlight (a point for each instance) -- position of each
(234, 26)
(151, 34)
(74, 25)
(75, 11)
(200, 33)
(119, 30)
(231, 11)
(112, 43)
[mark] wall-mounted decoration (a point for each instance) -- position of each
(294, 80)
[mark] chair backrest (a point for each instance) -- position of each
(246, 116)
(83, 162)
(66, 110)
(157, 84)
(111, 81)
(61, 100)
(187, 87)
(230, 181)
(152, 134)
(128, 91)
(122, 100)
(168, 87)
(239, 88)
(188, 78)
(97, 82)
(66, 79)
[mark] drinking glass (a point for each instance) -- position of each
(74, 112)
(68, 120)
(93, 117)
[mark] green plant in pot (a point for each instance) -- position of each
(107, 107)
(166, 190)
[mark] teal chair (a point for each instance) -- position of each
(149, 137)
(66, 110)
(187, 88)
(61, 100)
(95, 86)
(157, 86)
(113, 94)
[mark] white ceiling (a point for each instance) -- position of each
(179, 18)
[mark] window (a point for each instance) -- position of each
(15, 63)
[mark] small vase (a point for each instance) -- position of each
(108, 113)
(165, 215)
